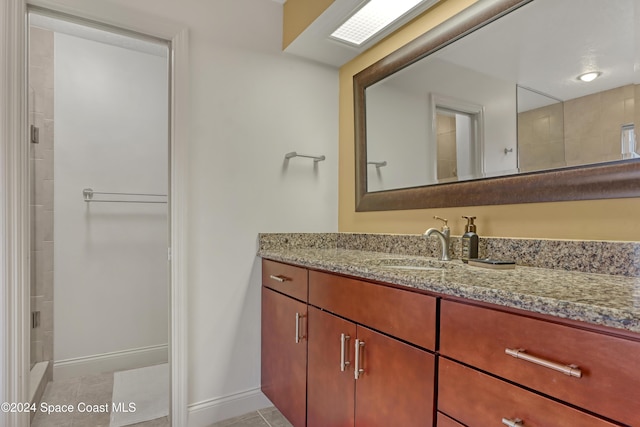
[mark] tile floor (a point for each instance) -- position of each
(98, 389)
(268, 417)
(93, 389)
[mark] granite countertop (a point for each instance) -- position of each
(600, 299)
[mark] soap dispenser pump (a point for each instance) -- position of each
(469, 240)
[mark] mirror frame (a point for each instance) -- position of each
(612, 180)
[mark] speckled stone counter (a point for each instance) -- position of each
(602, 299)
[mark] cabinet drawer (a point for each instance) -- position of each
(476, 399)
(609, 366)
(288, 279)
(444, 421)
(406, 315)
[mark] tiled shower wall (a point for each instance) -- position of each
(541, 138)
(591, 132)
(41, 51)
(593, 125)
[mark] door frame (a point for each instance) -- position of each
(14, 192)
(476, 111)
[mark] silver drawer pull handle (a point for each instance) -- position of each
(280, 279)
(343, 348)
(358, 370)
(571, 370)
(298, 337)
(513, 423)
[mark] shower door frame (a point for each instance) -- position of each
(14, 209)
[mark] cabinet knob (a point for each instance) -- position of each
(513, 423)
(280, 279)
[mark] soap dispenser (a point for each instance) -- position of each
(469, 240)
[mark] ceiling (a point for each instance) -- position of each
(314, 42)
(546, 44)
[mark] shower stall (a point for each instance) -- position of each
(98, 113)
(41, 69)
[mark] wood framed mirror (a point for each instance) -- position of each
(615, 176)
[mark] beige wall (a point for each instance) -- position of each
(298, 15)
(592, 220)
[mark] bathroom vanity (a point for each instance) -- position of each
(369, 338)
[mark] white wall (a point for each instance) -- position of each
(398, 132)
(251, 110)
(111, 278)
(249, 105)
(499, 100)
(435, 76)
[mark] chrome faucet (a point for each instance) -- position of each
(443, 236)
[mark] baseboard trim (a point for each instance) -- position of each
(110, 362)
(205, 413)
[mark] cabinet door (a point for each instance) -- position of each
(396, 387)
(331, 386)
(284, 361)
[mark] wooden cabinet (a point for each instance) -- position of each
(287, 279)
(306, 380)
(331, 390)
(563, 373)
(601, 372)
(396, 387)
(395, 384)
(284, 342)
(476, 399)
(444, 421)
(409, 316)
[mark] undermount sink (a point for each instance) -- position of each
(418, 264)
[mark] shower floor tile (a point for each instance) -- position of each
(92, 389)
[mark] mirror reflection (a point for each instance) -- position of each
(506, 99)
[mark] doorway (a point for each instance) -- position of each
(458, 132)
(99, 116)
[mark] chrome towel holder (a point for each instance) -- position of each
(378, 164)
(293, 154)
(88, 194)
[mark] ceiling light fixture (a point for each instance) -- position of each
(590, 76)
(373, 17)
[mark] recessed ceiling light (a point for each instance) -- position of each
(372, 18)
(590, 76)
